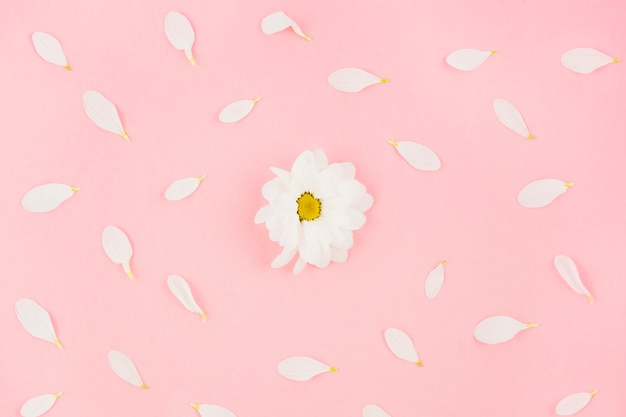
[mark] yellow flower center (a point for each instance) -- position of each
(309, 207)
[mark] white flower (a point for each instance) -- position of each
(313, 210)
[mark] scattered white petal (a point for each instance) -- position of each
(180, 288)
(585, 60)
(372, 410)
(279, 21)
(47, 197)
(499, 329)
(511, 117)
(401, 345)
(302, 368)
(468, 59)
(574, 403)
(237, 110)
(418, 156)
(125, 368)
(103, 113)
(352, 80)
(434, 281)
(180, 34)
(37, 406)
(542, 192)
(50, 49)
(212, 410)
(36, 320)
(180, 189)
(567, 269)
(117, 247)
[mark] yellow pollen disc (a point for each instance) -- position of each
(309, 207)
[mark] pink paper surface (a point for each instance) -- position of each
(500, 255)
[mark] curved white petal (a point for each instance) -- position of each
(36, 320)
(434, 281)
(117, 247)
(352, 80)
(37, 406)
(568, 271)
(542, 192)
(103, 113)
(125, 368)
(418, 156)
(182, 188)
(468, 59)
(50, 49)
(180, 288)
(509, 116)
(499, 329)
(401, 345)
(574, 403)
(180, 33)
(284, 257)
(302, 368)
(47, 197)
(279, 21)
(585, 60)
(372, 410)
(212, 410)
(237, 110)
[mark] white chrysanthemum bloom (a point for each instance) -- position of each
(313, 210)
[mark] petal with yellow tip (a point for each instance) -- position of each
(124, 367)
(212, 410)
(182, 188)
(117, 247)
(468, 59)
(499, 329)
(540, 193)
(237, 110)
(103, 113)
(510, 117)
(434, 281)
(47, 197)
(353, 80)
(585, 60)
(574, 403)
(401, 345)
(302, 368)
(181, 290)
(418, 156)
(568, 271)
(36, 320)
(180, 33)
(49, 49)
(279, 21)
(39, 405)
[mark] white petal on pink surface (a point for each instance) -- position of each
(183, 188)
(103, 113)
(279, 21)
(434, 281)
(212, 410)
(47, 197)
(499, 329)
(237, 110)
(418, 156)
(302, 368)
(468, 59)
(117, 247)
(510, 117)
(574, 403)
(372, 410)
(50, 49)
(124, 367)
(39, 405)
(36, 321)
(568, 271)
(353, 80)
(180, 33)
(585, 60)
(181, 290)
(401, 345)
(540, 193)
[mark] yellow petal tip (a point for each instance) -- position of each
(332, 369)
(392, 143)
(125, 136)
(530, 136)
(419, 363)
(130, 274)
(305, 37)
(58, 344)
(256, 100)
(443, 262)
(569, 184)
(590, 299)
(494, 52)
(58, 394)
(144, 386)
(74, 189)
(203, 316)
(384, 80)
(594, 392)
(617, 60)
(192, 60)
(531, 325)
(201, 178)
(67, 67)
(196, 406)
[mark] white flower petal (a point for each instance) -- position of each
(299, 266)
(364, 204)
(585, 60)
(418, 156)
(284, 257)
(338, 255)
(50, 49)
(279, 21)
(103, 113)
(182, 188)
(36, 320)
(401, 345)
(237, 110)
(499, 329)
(542, 192)
(180, 288)
(434, 281)
(568, 271)
(574, 403)
(510, 117)
(212, 410)
(180, 34)
(125, 368)
(352, 80)
(372, 410)
(468, 59)
(302, 368)
(37, 406)
(117, 247)
(47, 197)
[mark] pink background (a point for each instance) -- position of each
(499, 254)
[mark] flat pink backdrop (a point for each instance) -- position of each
(499, 254)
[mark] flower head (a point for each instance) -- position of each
(313, 210)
